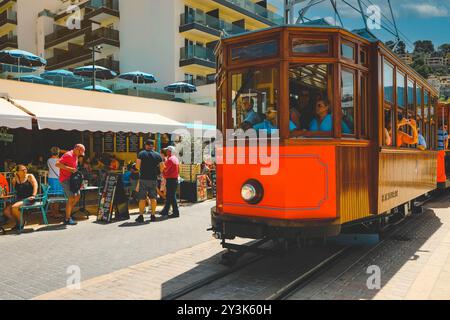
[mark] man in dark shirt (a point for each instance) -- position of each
(148, 163)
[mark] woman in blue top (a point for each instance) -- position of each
(323, 121)
(269, 123)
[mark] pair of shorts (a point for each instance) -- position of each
(147, 188)
(66, 187)
(55, 186)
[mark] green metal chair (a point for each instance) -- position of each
(41, 204)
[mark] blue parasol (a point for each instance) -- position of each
(33, 79)
(98, 88)
(64, 76)
(181, 87)
(95, 71)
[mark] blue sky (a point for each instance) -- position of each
(416, 19)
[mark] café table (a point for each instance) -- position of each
(4, 199)
(82, 203)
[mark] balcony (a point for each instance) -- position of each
(107, 63)
(8, 42)
(63, 34)
(8, 17)
(103, 36)
(210, 79)
(202, 57)
(254, 10)
(208, 26)
(99, 10)
(68, 58)
(5, 2)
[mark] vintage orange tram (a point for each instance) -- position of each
(357, 133)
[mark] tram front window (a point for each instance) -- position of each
(255, 99)
(310, 88)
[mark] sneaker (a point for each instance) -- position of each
(152, 218)
(70, 222)
(140, 219)
(175, 215)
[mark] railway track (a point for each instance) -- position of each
(305, 277)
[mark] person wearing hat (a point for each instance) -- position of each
(171, 173)
(68, 165)
(148, 163)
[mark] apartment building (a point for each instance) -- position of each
(442, 84)
(407, 58)
(173, 39)
(435, 62)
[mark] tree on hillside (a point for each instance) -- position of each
(423, 46)
(444, 49)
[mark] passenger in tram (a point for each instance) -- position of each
(421, 143)
(323, 122)
(306, 109)
(294, 114)
(270, 123)
(251, 115)
(402, 137)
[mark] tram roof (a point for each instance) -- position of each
(319, 24)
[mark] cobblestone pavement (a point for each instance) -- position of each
(35, 263)
(414, 264)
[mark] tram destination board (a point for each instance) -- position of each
(133, 143)
(121, 142)
(106, 207)
(108, 142)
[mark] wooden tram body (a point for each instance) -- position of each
(325, 180)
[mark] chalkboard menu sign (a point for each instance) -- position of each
(106, 207)
(133, 143)
(202, 187)
(98, 143)
(121, 142)
(214, 183)
(87, 142)
(108, 142)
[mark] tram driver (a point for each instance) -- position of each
(251, 116)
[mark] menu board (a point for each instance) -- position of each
(108, 142)
(189, 171)
(106, 207)
(86, 136)
(121, 142)
(214, 183)
(98, 143)
(133, 143)
(202, 187)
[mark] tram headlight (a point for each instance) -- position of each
(252, 192)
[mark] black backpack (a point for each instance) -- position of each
(76, 181)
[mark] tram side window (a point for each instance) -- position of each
(348, 102)
(255, 99)
(310, 108)
(388, 85)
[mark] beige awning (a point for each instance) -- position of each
(12, 117)
(69, 117)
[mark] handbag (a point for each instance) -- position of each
(76, 181)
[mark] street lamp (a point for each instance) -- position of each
(94, 49)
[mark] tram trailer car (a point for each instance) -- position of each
(343, 175)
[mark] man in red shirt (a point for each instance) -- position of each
(67, 166)
(171, 173)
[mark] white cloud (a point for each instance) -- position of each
(427, 9)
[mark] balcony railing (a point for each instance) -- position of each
(210, 79)
(103, 33)
(197, 52)
(63, 33)
(257, 10)
(107, 63)
(8, 17)
(210, 22)
(68, 58)
(8, 41)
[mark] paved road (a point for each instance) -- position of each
(36, 263)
